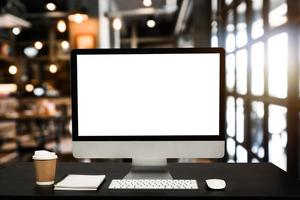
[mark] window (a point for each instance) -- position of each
(278, 13)
(241, 36)
(230, 124)
(230, 72)
(241, 71)
(240, 120)
(258, 23)
(257, 131)
(214, 36)
(256, 41)
(214, 41)
(241, 154)
(254, 160)
(277, 58)
(230, 116)
(278, 136)
(257, 68)
(228, 2)
(230, 38)
(230, 149)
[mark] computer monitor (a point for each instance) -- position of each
(148, 104)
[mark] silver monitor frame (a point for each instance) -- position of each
(148, 150)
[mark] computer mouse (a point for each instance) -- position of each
(215, 184)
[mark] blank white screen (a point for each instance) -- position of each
(148, 94)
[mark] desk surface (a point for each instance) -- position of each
(243, 180)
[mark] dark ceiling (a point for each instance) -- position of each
(164, 23)
(133, 4)
(35, 12)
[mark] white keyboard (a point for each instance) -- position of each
(161, 184)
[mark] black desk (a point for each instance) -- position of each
(243, 180)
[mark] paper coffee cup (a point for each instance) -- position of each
(45, 167)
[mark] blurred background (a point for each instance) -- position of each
(261, 38)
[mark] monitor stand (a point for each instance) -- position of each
(149, 169)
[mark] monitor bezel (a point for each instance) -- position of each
(76, 137)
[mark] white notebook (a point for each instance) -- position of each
(80, 182)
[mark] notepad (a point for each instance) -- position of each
(80, 182)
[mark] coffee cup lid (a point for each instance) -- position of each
(44, 155)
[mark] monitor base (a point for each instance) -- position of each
(149, 169)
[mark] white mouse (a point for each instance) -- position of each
(215, 184)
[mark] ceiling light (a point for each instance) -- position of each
(78, 17)
(8, 88)
(10, 21)
(51, 6)
(53, 68)
(12, 69)
(38, 45)
(16, 30)
(61, 26)
(29, 87)
(30, 52)
(65, 45)
(39, 91)
(117, 24)
(147, 3)
(151, 23)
